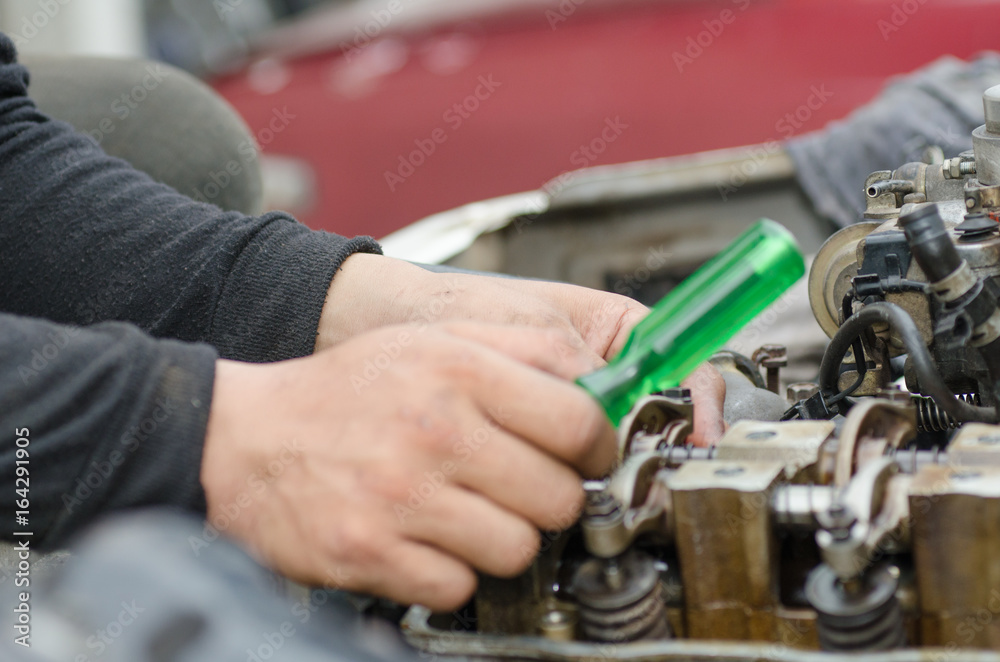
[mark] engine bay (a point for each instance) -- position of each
(861, 516)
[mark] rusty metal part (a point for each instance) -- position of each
(727, 360)
(832, 271)
(656, 421)
(796, 444)
(931, 417)
(801, 391)
(791, 535)
(958, 167)
(870, 431)
(869, 518)
(955, 546)
(801, 506)
(975, 445)
(866, 617)
(908, 459)
(633, 503)
(772, 358)
(559, 622)
(722, 520)
(431, 641)
(620, 599)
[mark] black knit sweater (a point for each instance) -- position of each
(117, 294)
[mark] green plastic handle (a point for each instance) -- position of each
(697, 317)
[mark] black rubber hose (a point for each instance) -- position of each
(929, 241)
(931, 383)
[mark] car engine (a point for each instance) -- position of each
(865, 520)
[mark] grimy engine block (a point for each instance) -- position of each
(866, 520)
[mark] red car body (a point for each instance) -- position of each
(413, 121)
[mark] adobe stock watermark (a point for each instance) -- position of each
(319, 594)
(368, 31)
(786, 126)
(99, 471)
(94, 306)
(272, 641)
(562, 12)
(582, 157)
(750, 336)
(48, 354)
(454, 117)
(105, 637)
(37, 21)
(559, 523)
(463, 622)
(257, 484)
(249, 153)
(656, 259)
(431, 312)
(463, 451)
(120, 109)
(946, 136)
(898, 17)
(697, 44)
(225, 7)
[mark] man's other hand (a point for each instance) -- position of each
(404, 459)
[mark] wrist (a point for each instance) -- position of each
(369, 292)
(227, 455)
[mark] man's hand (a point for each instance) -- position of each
(371, 291)
(402, 459)
(708, 390)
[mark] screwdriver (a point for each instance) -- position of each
(697, 317)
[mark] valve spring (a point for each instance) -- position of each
(631, 611)
(644, 619)
(931, 418)
(865, 617)
(877, 630)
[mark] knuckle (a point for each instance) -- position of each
(449, 591)
(462, 364)
(454, 327)
(567, 504)
(435, 435)
(390, 483)
(352, 540)
(593, 443)
(520, 550)
(591, 425)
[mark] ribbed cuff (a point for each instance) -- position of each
(271, 304)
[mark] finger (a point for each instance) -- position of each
(627, 322)
(708, 390)
(410, 572)
(522, 479)
(473, 529)
(553, 350)
(558, 417)
(605, 320)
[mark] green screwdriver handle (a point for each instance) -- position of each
(697, 317)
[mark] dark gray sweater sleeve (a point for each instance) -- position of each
(86, 238)
(112, 417)
(117, 294)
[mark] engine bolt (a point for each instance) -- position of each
(772, 358)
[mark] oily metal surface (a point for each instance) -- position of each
(530, 649)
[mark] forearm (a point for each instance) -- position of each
(113, 418)
(87, 238)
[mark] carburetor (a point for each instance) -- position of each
(866, 520)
